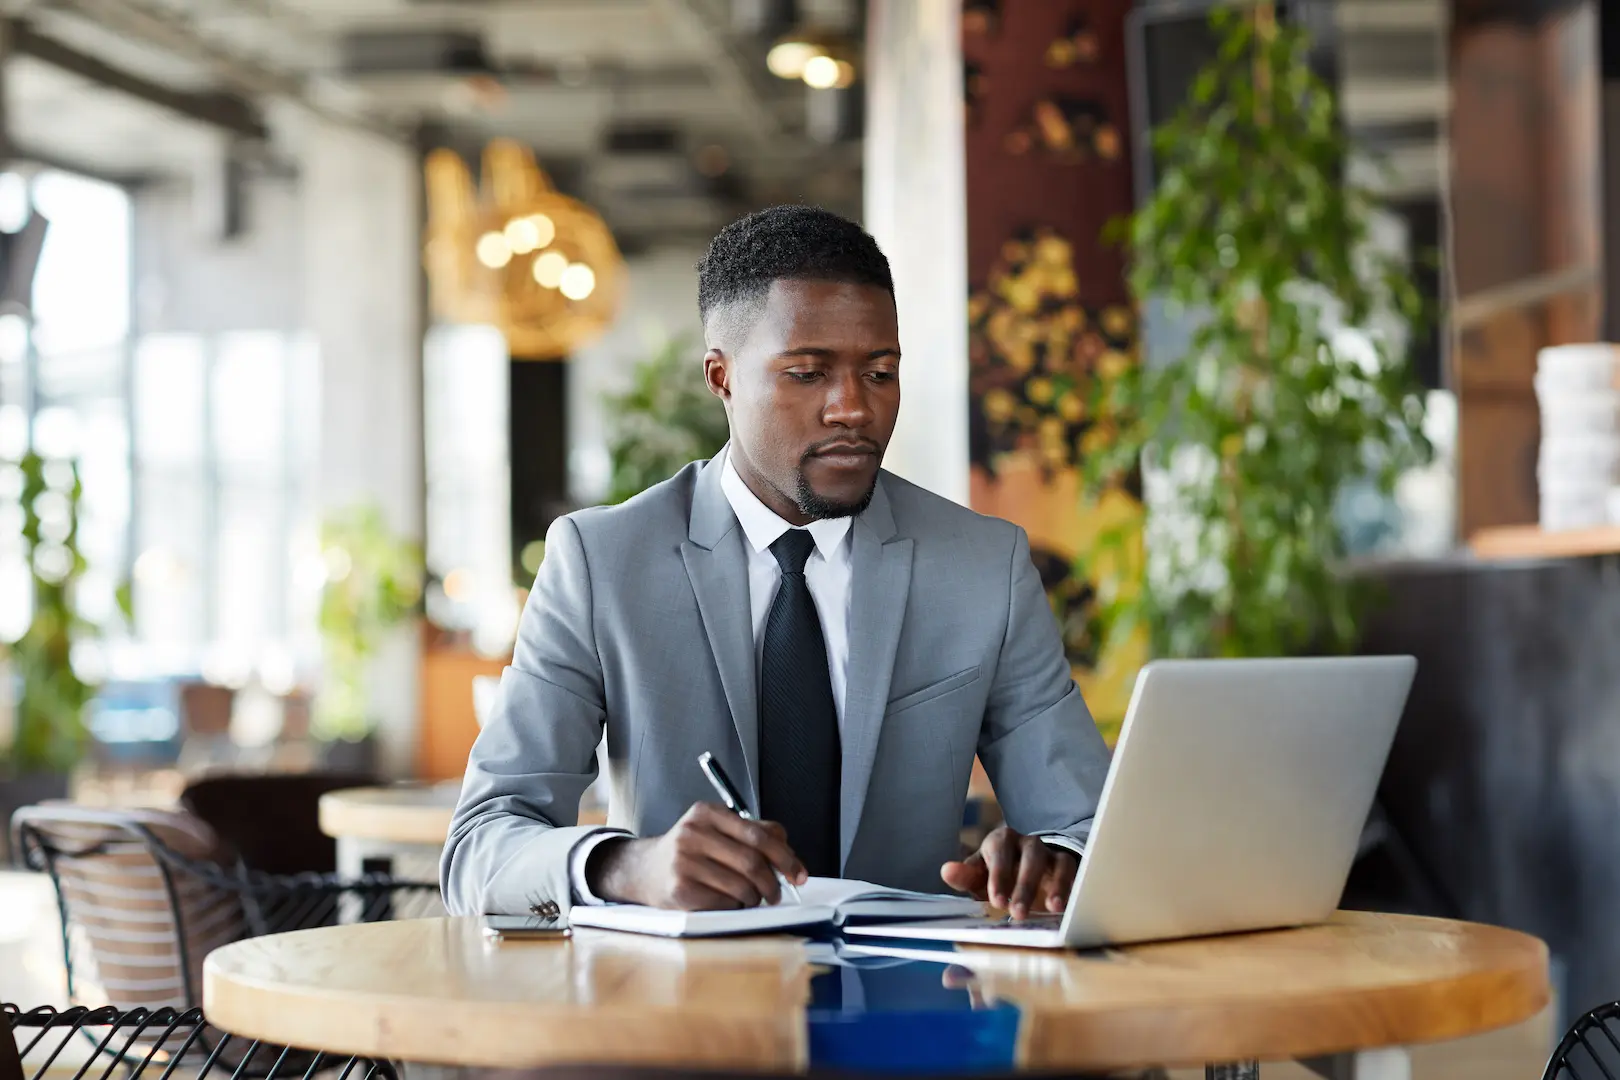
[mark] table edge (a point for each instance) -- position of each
(1310, 1024)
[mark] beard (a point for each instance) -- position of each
(818, 507)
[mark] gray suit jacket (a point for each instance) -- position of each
(639, 624)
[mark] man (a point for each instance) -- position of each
(844, 642)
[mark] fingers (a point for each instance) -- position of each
(743, 859)
(715, 859)
(1060, 879)
(967, 875)
(1000, 851)
(701, 884)
(1034, 860)
(766, 839)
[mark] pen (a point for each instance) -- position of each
(728, 795)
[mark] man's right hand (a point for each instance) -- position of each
(711, 860)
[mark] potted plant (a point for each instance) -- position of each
(666, 419)
(45, 736)
(373, 585)
(1294, 385)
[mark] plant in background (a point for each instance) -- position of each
(374, 583)
(1294, 385)
(664, 421)
(48, 730)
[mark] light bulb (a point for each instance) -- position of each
(545, 230)
(787, 59)
(577, 281)
(522, 235)
(821, 72)
(549, 268)
(493, 250)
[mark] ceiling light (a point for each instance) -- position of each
(547, 231)
(549, 267)
(493, 250)
(788, 57)
(577, 281)
(825, 73)
(529, 233)
(522, 235)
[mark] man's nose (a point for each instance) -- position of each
(847, 402)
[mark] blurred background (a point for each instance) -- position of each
(314, 314)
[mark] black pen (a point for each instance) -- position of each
(728, 795)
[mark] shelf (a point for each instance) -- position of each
(1533, 542)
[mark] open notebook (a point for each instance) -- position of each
(823, 900)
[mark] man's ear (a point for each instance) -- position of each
(717, 374)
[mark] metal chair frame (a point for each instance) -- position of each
(265, 903)
(138, 1039)
(1601, 1020)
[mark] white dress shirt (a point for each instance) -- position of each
(826, 572)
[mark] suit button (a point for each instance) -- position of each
(546, 910)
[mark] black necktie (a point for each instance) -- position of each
(799, 756)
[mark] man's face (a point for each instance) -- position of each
(812, 389)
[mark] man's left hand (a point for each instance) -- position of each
(1015, 873)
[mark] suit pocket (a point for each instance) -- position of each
(933, 690)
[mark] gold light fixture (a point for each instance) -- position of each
(819, 58)
(828, 73)
(516, 253)
(493, 250)
(788, 57)
(549, 267)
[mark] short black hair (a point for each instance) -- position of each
(786, 243)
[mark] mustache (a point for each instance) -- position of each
(841, 444)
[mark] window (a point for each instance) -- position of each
(63, 384)
(225, 526)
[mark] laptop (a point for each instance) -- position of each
(1235, 801)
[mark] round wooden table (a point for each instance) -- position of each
(403, 814)
(437, 990)
(399, 829)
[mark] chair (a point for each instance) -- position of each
(1591, 1050)
(154, 1044)
(144, 896)
(272, 821)
(10, 1060)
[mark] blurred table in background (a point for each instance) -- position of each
(399, 829)
(1533, 542)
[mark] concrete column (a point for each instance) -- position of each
(916, 207)
(362, 304)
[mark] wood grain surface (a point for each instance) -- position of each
(437, 990)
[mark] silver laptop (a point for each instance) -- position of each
(1235, 801)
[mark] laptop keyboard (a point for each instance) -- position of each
(1039, 920)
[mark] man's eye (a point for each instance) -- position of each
(881, 376)
(804, 376)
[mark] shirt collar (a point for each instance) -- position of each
(763, 526)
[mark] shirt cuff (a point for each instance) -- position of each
(1060, 840)
(579, 857)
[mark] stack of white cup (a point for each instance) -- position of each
(1579, 466)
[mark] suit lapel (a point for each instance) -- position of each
(717, 565)
(880, 581)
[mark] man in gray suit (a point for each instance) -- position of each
(843, 641)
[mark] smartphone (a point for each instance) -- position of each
(524, 927)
